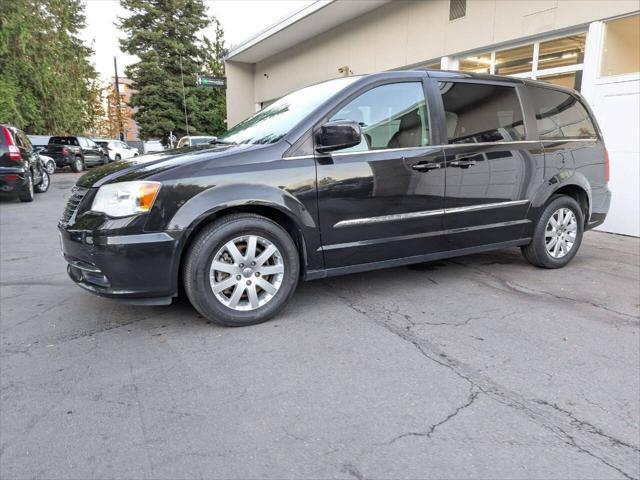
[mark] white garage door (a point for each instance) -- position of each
(617, 108)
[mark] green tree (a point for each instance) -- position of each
(46, 78)
(163, 34)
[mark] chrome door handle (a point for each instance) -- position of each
(464, 163)
(425, 167)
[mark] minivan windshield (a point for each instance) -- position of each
(273, 122)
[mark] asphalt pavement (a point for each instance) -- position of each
(478, 367)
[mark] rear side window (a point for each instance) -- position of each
(478, 112)
(560, 115)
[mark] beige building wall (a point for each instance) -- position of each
(240, 91)
(403, 33)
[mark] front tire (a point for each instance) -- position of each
(78, 165)
(558, 234)
(241, 270)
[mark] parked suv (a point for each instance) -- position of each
(349, 175)
(22, 171)
(77, 152)
(116, 149)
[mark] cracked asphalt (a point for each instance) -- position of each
(478, 367)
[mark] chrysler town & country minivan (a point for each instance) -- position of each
(353, 174)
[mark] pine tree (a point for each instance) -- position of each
(163, 35)
(46, 77)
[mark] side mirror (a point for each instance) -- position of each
(337, 135)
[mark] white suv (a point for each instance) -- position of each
(117, 150)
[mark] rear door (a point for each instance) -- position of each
(382, 200)
(492, 167)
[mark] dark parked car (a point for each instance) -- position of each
(21, 170)
(353, 174)
(78, 152)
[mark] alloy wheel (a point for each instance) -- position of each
(560, 233)
(246, 272)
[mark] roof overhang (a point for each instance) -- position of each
(312, 20)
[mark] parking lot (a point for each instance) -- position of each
(482, 366)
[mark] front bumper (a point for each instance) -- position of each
(135, 268)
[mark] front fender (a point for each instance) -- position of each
(218, 198)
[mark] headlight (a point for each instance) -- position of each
(125, 198)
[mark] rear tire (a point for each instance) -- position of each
(78, 164)
(209, 263)
(43, 186)
(26, 194)
(118, 157)
(558, 234)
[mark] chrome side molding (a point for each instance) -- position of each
(426, 213)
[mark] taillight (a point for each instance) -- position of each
(14, 152)
(607, 174)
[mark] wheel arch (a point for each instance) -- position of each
(580, 195)
(279, 207)
(575, 186)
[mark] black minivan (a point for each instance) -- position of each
(353, 174)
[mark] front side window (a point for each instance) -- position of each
(478, 112)
(272, 123)
(391, 116)
(560, 115)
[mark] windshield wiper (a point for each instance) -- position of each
(218, 141)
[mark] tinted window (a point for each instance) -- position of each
(560, 115)
(275, 121)
(391, 116)
(481, 113)
(64, 141)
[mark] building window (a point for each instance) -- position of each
(514, 60)
(562, 52)
(457, 9)
(480, 63)
(559, 61)
(621, 51)
(432, 65)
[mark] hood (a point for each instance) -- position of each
(153, 163)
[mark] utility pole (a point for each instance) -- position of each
(184, 98)
(119, 102)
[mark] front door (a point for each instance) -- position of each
(492, 170)
(383, 199)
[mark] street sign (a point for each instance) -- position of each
(206, 81)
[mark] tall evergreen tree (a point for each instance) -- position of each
(163, 35)
(46, 78)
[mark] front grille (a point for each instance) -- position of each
(77, 194)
